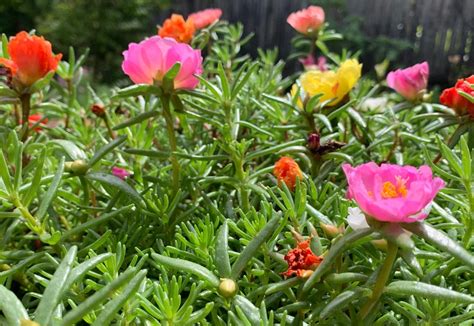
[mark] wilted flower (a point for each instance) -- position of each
(392, 193)
(120, 173)
(310, 63)
(287, 170)
(410, 82)
(451, 97)
(31, 58)
(301, 261)
(205, 17)
(179, 29)
(148, 61)
(332, 85)
(307, 21)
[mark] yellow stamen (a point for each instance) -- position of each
(390, 190)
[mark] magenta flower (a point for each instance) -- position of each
(120, 173)
(307, 21)
(205, 17)
(309, 63)
(148, 61)
(410, 82)
(392, 193)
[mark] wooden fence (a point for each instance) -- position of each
(439, 31)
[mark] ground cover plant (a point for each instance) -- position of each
(214, 190)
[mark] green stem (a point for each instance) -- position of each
(469, 227)
(25, 112)
(172, 141)
(244, 193)
(32, 222)
(382, 279)
(109, 128)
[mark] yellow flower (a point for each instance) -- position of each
(332, 85)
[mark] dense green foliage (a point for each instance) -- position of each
(79, 244)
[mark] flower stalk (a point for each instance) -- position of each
(25, 100)
(382, 279)
(172, 142)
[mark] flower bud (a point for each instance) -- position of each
(228, 288)
(331, 230)
(380, 244)
(78, 167)
(314, 141)
(98, 110)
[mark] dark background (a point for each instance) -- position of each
(403, 31)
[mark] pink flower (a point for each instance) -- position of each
(309, 63)
(307, 21)
(148, 61)
(120, 173)
(392, 193)
(205, 17)
(410, 82)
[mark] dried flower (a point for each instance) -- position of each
(301, 260)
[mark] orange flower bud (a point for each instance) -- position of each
(287, 170)
(179, 29)
(31, 58)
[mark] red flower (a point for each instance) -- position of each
(31, 58)
(287, 170)
(451, 97)
(301, 261)
(34, 119)
(179, 29)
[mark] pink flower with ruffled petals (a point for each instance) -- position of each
(148, 61)
(410, 82)
(307, 21)
(205, 17)
(392, 193)
(120, 173)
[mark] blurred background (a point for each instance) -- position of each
(402, 31)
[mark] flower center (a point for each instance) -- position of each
(390, 190)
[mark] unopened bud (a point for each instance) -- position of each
(314, 141)
(78, 167)
(331, 230)
(228, 288)
(98, 110)
(380, 244)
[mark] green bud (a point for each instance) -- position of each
(228, 288)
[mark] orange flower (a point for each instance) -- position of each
(179, 29)
(31, 58)
(301, 260)
(287, 170)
